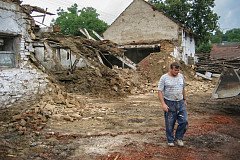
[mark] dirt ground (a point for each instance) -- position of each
(130, 128)
(115, 114)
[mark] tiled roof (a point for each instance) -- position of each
(227, 51)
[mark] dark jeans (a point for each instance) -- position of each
(176, 112)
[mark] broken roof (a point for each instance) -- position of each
(29, 9)
(226, 51)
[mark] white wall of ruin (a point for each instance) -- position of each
(186, 50)
(51, 57)
(188, 44)
(24, 81)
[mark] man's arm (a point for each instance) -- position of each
(164, 106)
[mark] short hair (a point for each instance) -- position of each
(175, 65)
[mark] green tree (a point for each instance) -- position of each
(203, 20)
(194, 14)
(204, 48)
(177, 9)
(71, 20)
(233, 35)
(217, 37)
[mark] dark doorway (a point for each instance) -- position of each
(138, 54)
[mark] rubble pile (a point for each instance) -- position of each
(100, 82)
(195, 86)
(57, 105)
(96, 79)
(83, 46)
(156, 64)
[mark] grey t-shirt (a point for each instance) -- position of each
(172, 87)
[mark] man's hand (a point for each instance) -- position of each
(165, 107)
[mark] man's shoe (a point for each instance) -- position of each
(171, 144)
(180, 143)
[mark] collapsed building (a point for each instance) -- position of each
(31, 60)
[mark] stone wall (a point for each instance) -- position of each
(21, 85)
(23, 81)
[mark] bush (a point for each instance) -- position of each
(204, 48)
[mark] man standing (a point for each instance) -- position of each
(171, 93)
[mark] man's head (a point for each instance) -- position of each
(174, 68)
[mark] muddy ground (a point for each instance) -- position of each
(130, 128)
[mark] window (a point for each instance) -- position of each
(7, 54)
(7, 59)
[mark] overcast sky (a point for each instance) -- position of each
(228, 10)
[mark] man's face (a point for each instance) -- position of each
(174, 71)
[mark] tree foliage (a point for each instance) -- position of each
(204, 48)
(194, 14)
(71, 20)
(178, 9)
(217, 37)
(232, 35)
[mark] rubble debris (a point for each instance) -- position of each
(95, 79)
(206, 75)
(29, 9)
(207, 64)
(57, 105)
(85, 33)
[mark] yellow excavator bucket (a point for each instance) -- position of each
(228, 84)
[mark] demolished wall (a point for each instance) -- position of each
(21, 81)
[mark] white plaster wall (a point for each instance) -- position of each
(23, 82)
(139, 23)
(49, 63)
(21, 85)
(186, 49)
(188, 44)
(45, 57)
(67, 63)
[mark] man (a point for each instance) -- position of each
(171, 93)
